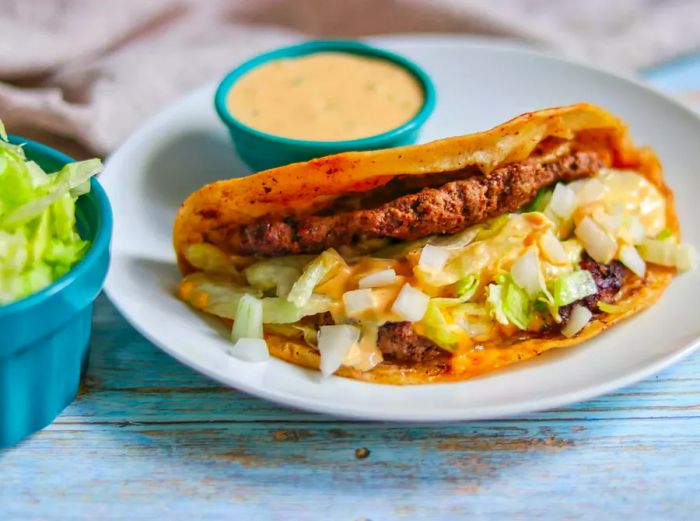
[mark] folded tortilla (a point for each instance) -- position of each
(217, 212)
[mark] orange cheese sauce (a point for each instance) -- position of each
(327, 96)
(347, 279)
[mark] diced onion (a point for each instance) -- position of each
(591, 190)
(433, 257)
(658, 252)
(611, 223)
(686, 257)
(334, 344)
(526, 273)
(378, 278)
(596, 241)
(629, 256)
(357, 301)
(250, 350)
(668, 253)
(563, 201)
(634, 230)
(580, 316)
(552, 248)
(410, 303)
(552, 217)
(249, 318)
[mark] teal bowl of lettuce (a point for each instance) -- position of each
(55, 229)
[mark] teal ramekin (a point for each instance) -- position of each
(260, 150)
(44, 338)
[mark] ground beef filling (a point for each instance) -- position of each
(446, 209)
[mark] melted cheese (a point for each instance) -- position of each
(488, 256)
(365, 354)
(637, 197)
(347, 279)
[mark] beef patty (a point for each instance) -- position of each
(449, 208)
(398, 341)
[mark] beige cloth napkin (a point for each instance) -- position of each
(85, 73)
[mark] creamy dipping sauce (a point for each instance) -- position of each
(327, 96)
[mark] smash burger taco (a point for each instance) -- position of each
(440, 261)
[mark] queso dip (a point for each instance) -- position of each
(327, 96)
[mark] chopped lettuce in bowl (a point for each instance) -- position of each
(39, 239)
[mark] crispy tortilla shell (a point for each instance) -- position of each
(210, 214)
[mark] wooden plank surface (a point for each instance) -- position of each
(150, 438)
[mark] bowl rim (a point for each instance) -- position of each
(313, 47)
(97, 246)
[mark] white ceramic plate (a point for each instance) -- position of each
(478, 85)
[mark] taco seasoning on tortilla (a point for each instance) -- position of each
(440, 261)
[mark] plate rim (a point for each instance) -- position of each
(470, 413)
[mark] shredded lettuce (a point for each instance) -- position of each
(220, 295)
(509, 302)
(494, 297)
(207, 257)
(214, 293)
(573, 286)
(541, 306)
(308, 333)
(492, 227)
(318, 270)
(268, 275)
(467, 286)
(472, 309)
(457, 240)
(666, 234)
(401, 249)
(438, 329)
(249, 318)
(61, 184)
(612, 308)
(277, 310)
(436, 326)
(39, 241)
(516, 305)
(541, 200)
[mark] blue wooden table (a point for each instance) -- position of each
(151, 439)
